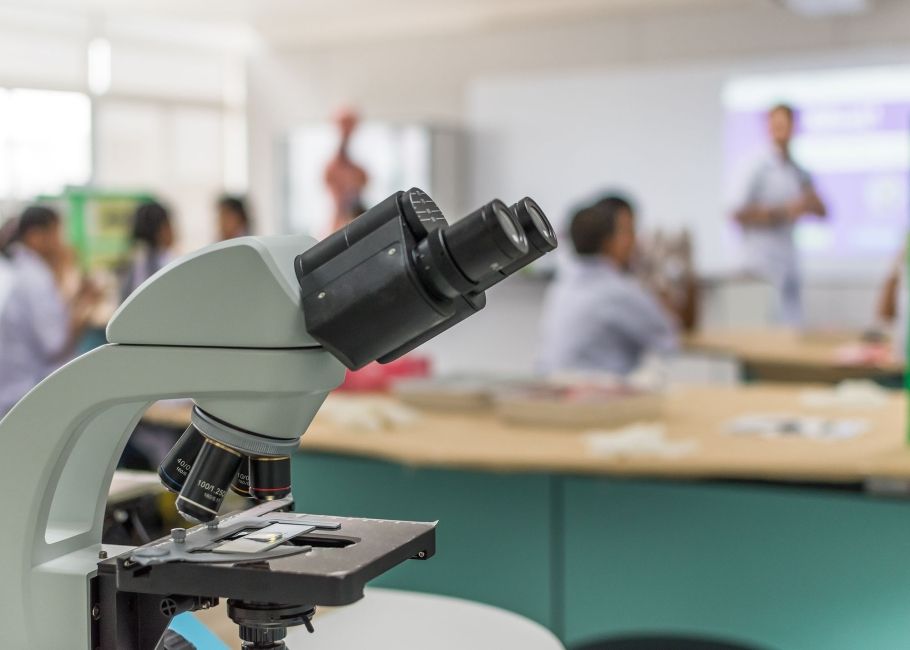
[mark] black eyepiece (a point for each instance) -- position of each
(486, 240)
(536, 225)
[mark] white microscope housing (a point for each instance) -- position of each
(256, 331)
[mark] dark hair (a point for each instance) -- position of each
(782, 108)
(34, 217)
(148, 220)
(236, 205)
(593, 226)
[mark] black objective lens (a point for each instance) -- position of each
(270, 478)
(486, 240)
(241, 483)
(205, 488)
(177, 464)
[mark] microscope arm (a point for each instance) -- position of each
(60, 474)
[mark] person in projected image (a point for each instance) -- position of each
(598, 317)
(779, 194)
(39, 323)
(234, 218)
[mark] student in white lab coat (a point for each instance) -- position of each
(38, 326)
(779, 194)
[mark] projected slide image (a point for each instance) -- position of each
(852, 136)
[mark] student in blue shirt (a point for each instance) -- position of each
(38, 326)
(598, 317)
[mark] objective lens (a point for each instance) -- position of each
(270, 478)
(205, 488)
(486, 240)
(241, 483)
(177, 464)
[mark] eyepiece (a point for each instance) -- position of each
(536, 226)
(541, 240)
(207, 483)
(176, 466)
(486, 240)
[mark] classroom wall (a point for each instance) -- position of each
(173, 121)
(635, 98)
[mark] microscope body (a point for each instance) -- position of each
(256, 331)
(245, 357)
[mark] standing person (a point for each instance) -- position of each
(779, 194)
(598, 317)
(344, 178)
(234, 218)
(152, 240)
(39, 328)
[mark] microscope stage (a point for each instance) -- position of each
(266, 555)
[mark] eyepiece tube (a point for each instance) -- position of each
(486, 240)
(539, 233)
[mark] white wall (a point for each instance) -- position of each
(173, 121)
(563, 109)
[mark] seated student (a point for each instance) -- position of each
(892, 305)
(233, 218)
(38, 326)
(152, 240)
(598, 317)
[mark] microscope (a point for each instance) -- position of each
(256, 331)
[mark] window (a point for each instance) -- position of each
(45, 142)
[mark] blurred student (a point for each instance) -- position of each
(233, 218)
(39, 327)
(152, 242)
(7, 233)
(598, 317)
(892, 305)
(778, 195)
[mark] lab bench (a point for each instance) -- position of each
(773, 542)
(790, 355)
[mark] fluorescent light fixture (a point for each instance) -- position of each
(99, 66)
(820, 8)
